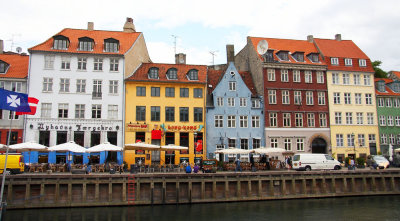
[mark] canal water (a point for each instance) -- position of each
(376, 208)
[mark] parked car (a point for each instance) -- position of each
(15, 163)
(382, 162)
(314, 162)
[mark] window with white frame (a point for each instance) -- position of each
(362, 62)
(382, 120)
(98, 64)
(255, 121)
(392, 139)
(348, 62)
(285, 97)
(322, 120)
(370, 118)
(390, 120)
(334, 61)
(357, 98)
(12, 115)
(349, 118)
(79, 111)
(383, 138)
(296, 76)
(287, 143)
(350, 140)
(357, 78)
(232, 142)
(243, 121)
(398, 138)
(80, 86)
(321, 98)
(271, 75)
(65, 63)
(255, 103)
(243, 102)
(64, 84)
(346, 79)
(368, 99)
(16, 86)
(381, 102)
(218, 121)
(231, 121)
(273, 142)
(2, 84)
(347, 98)
(113, 87)
(300, 144)
(96, 111)
(397, 120)
(361, 140)
(338, 118)
(256, 143)
(112, 111)
(388, 102)
(231, 101)
(114, 62)
(298, 119)
(396, 102)
(360, 118)
(311, 120)
(335, 78)
(97, 89)
(339, 140)
(372, 138)
(286, 119)
(232, 85)
(336, 97)
(367, 79)
(45, 110)
(273, 119)
(62, 110)
(284, 75)
(220, 101)
(308, 77)
(297, 97)
(82, 62)
(309, 98)
(49, 61)
(272, 96)
(320, 77)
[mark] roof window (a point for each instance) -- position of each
(153, 73)
(298, 56)
(111, 45)
(60, 42)
(172, 74)
(85, 44)
(283, 55)
(193, 75)
(3, 67)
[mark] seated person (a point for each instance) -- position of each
(188, 168)
(371, 163)
(196, 168)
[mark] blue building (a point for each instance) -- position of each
(234, 112)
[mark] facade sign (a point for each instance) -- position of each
(136, 127)
(182, 128)
(76, 127)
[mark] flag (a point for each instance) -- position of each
(32, 104)
(13, 101)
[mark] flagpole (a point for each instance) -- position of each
(5, 167)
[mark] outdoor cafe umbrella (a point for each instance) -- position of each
(106, 146)
(232, 150)
(397, 150)
(28, 146)
(172, 147)
(141, 146)
(270, 151)
(70, 146)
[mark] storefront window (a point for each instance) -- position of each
(61, 137)
(184, 142)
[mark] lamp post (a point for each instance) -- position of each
(195, 145)
(354, 145)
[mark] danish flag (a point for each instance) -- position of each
(32, 104)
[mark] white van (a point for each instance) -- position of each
(315, 162)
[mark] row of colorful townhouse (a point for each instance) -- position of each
(313, 96)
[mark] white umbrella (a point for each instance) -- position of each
(270, 151)
(28, 146)
(70, 146)
(173, 147)
(397, 150)
(390, 152)
(106, 146)
(141, 146)
(232, 150)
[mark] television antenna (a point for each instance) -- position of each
(12, 40)
(213, 55)
(175, 37)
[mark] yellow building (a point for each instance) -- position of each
(351, 94)
(165, 104)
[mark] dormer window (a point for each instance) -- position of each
(60, 42)
(3, 67)
(396, 87)
(193, 75)
(299, 56)
(172, 74)
(153, 73)
(283, 55)
(86, 44)
(313, 57)
(362, 63)
(348, 62)
(269, 56)
(381, 86)
(334, 61)
(111, 45)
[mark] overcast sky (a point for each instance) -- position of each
(206, 26)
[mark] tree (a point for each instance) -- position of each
(379, 73)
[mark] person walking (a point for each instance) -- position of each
(253, 166)
(238, 167)
(352, 164)
(89, 165)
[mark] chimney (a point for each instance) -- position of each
(1, 46)
(338, 37)
(129, 26)
(230, 53)
(180, 58)
(90, 26)
(310, 38)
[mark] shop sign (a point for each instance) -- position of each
(76, 127)
(136, 127)
(182, 128)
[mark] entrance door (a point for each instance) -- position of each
(372, 149)
(318, 145)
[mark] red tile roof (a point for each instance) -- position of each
(215, 76)
(388, 91)
(289, 45)
(141, 74)
(397, 73)
(18, 65)
(126, 40)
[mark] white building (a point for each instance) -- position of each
(78, 77)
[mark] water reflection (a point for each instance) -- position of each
(354, 208)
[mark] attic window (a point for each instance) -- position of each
(362, 62)
(381, 86)
(153, 73)
(348, 62)
(193, 75)
(172, 74)
(283, 55)
(299, 56)
(334, 61)
(313, 57)
(3, 67)
(269, 56)
(111, 45)
(60, 42)
(86, 44)
(396, 87)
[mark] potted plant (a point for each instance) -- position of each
(360, 162)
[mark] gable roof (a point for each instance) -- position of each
(126, 40)
(215, 76)
(396, 73)
(141, 74)
(18, 65)
(388, 91)
(340, 49)
(290, 45)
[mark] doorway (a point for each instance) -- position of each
(318, 145)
